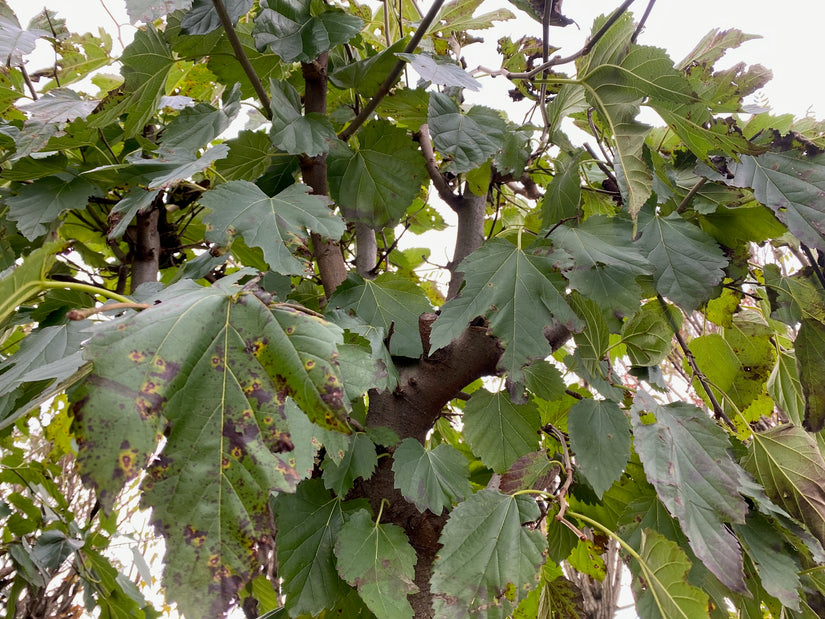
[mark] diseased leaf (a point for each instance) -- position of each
(390, 301)
(359, 460)
(606, 264)
(668, 594)
(787, 462)
(516, 292)
(534, 471)
(600, 438)
(239, 207)
(308, 523)
(433, 479)
(498, 431)
(375, 182)
(378, 560)
(686, 458)
(688, 262)
(488, 560)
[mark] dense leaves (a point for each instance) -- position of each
(386, 350)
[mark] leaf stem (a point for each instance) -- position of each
(240, 54)
(387, 84)
(611, 534)
(92, 290)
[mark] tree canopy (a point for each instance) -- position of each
(237, 329)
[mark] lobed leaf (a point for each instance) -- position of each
(432, 479)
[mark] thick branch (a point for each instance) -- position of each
(469, 236)
(445, 192)
(366, 247)
(146, 254)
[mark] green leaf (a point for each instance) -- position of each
(778, 568)
(648, 334)
(787, 462)
(458, 15)
(488, 561)
(606, 264)
(563, 196)
(26, 280)
(688, 262)
(359, 460)
(810, 361)
(368, 74)
(686, 458)
(148, 11)
(146, 65)
(239, 207)
(432, 479)
(498, 431)
(377, 180)
(60, 105)
(202, 18)
(196, 126)
(668, 594)
(45, 200)
(378, 560)
(544, 380)
(600, 438)
(516, 292)
(591, 342)
(289, 29)
(438, 71)
(458, 136)
(15, 42)
(308, 523)
(792, 185)
(388, 301)
(785, 387)
(294, 132)
(250, 154)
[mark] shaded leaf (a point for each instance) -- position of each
(648, 334)
(432, 479)
(688, 261)
(308, 523)
(532, 471)
(785, 387)
(202, 18)
(810, 363)
(600, 438)
(368, 74)
(45, 200)
(26, 279)
(516, 292)
(544, 380)
(239, 207)
(458, 136)
(377, 180)
(196, 126)
(359, 460)
(488, 561)
(148, 11)
(388, 301)
(787, 462)
(250, 154)
(685, 456)
(378, 560)
(293, 132)
(498, 431)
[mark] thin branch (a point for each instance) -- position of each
(599, 138)
(642, 21)
(602, 165)
(28, 81)
(240, 54)
(690, 194)
(439, 182)
(384, 88)
(814, 264)
(717, 408)
(83, 314)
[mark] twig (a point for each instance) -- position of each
(83, 314)
(598, 137)
(717, 408)
(28, 81)
(690, 194)
(387, 84)
(814, 264)
(242, 58)
(602, 165)
(640, 26)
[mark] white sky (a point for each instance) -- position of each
(790, 45)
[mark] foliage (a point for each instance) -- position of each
(238, 332)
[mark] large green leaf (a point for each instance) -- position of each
(648, 334)
(686, 458)
(60, 105)
(293, 132)
(197, 126)
(45, 200)
(787, 462)
(146, 61)
(376, 180)
(600, 438)
(563, 196)
(517, 293)
(308, 524)
(289, 29)
(250, 154)
(388, 301)
(498, 431)
(606, 263)
(378, 560)
(432, 479)
(688, 261)
(240, 207)
(458, 136)
(792, 185)
(368, 74)
(667, 595)
(488, 561)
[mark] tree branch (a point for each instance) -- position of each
(445, 192)
(146, 253)
(392, 76)
(366, 247)
(469, 235)
(240, 55)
